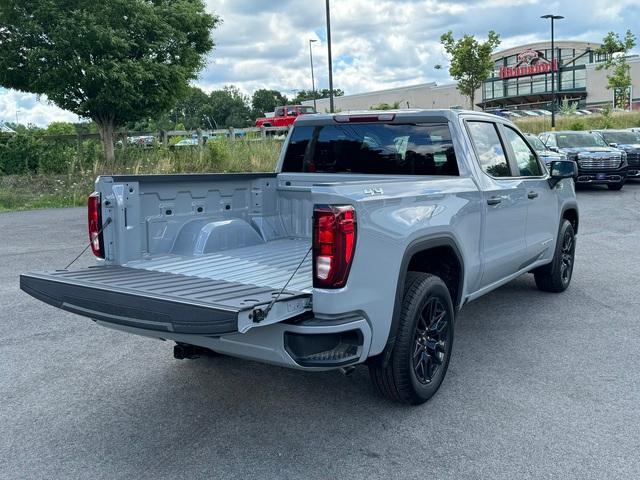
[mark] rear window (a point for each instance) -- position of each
(372, 148)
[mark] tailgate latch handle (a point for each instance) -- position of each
(258, 315)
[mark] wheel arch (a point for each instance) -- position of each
(570, 212)
(437, 255)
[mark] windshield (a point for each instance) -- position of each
(622, 138)
(536, 143)
(578, 140)
(372, 148)
(307, 110)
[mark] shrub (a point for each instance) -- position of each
(20, 154)
(576, 124)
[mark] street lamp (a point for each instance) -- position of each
(330, 62)
(553, 76)
(313, 82)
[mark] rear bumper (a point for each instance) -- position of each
(268, 344)
(208, 313)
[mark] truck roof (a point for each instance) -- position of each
(400, 115)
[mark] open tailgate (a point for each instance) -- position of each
(163, 301)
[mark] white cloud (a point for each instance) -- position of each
(27, 108)
(376, 43)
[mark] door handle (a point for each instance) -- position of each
(532, 195)
(494, 201)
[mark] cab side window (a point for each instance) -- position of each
(526, 159)
(489, 149)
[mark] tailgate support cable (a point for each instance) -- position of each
(259, 314)
(104, 225)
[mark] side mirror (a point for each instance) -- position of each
(554, 149)
(560, 169)
(614, 145)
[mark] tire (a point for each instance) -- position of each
(615, 186)
(556, 276)
(410, 378)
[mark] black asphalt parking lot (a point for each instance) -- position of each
(539, 386)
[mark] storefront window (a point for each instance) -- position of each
(583, 60)
(566, 80)
(524, 86)
(567, 53)
(488, 90)
(496, 68)
(580, 78)
(538, 85)
(512, 87)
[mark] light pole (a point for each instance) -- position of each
(553, 76)
(330, 62)
(313, 81)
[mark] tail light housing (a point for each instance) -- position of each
(95, 224)
(334, 244)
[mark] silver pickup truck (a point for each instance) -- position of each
(375, 229)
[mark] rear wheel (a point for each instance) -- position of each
(615, 186)
(556, 276)
(423, 343)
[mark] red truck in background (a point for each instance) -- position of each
(284, 116)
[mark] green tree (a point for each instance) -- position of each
(264, 100)
(615, 49)
(61, 128)
(386, 106)
(567, 107)
(470, 61)
(113, 61)
(227, 108)
(303, 95)
(190, 110)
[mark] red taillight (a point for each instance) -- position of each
(334, 243)
(95, 224)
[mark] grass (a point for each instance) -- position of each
(44, 190)
(585, 122)
(27, 192)
(82, 165)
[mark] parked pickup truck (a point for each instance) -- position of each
(597, 162)
(629, 143)
(284, 116)
(376, 228)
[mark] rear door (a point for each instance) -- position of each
(505, 204)
(542, 223)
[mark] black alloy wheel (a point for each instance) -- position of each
(420, 354)
(556, 276)
(430, 341)
(566, 265)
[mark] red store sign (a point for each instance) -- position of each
(522, 70)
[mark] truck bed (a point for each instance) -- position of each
(266, 265)
(211, 294)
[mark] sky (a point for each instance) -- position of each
(376, 44)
